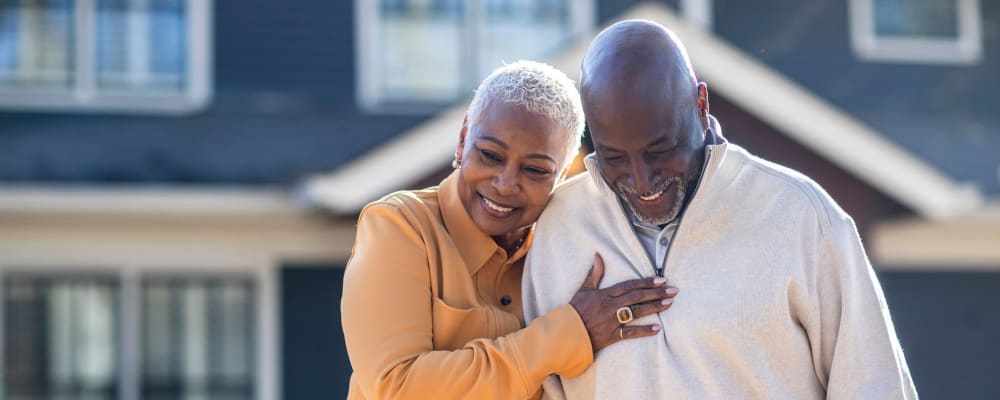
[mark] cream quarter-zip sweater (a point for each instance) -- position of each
(777, 297)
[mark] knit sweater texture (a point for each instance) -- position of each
(777, 297)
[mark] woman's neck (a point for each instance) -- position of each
(511, 241)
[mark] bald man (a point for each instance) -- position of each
(777, 299)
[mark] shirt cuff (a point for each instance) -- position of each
(567, 349)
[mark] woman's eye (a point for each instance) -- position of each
(537, 171)
(489, 155)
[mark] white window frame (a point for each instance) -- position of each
(83, 95)
(966, 49)
(366, 15)
(130, 280)
(698, 13)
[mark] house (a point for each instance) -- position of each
(179, 179)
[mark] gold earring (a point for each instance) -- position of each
(456, 163)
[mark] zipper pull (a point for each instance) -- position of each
(659, 272)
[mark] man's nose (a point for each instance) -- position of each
(641, 181)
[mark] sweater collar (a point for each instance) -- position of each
(475, 246)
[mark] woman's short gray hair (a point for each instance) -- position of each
(538, 87)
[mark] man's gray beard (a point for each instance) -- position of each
(681, 194)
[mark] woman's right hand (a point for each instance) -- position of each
(598, 308)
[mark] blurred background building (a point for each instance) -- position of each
(179, 179)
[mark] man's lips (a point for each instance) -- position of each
(651, 197)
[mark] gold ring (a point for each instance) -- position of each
(624, 315)
(621, 332)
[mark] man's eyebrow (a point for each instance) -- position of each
(655, 142)
(661, 140)
(606, 148)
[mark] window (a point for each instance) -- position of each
(197, 339)
(104, 55)
(59, 337)
(917, 31)
(69, 335)
(415, 54)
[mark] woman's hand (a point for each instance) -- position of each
(598, 308)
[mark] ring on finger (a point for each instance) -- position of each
(624, 315)
(621, 332)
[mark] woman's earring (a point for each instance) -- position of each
(456, 163)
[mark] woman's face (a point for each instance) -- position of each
(510, 162)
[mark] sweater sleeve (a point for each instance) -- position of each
(387, 321)
(545, 286)
(855, 350)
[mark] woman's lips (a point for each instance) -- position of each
(496, 209)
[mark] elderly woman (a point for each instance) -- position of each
(432, 302)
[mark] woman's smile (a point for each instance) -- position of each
(495, 209)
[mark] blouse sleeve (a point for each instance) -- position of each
(387, 321)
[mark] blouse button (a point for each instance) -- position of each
(505, 300)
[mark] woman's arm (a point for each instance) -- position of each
(387, 324)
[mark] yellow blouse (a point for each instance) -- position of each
(432, 308)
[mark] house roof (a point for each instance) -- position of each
(219, 147)
(823, 127)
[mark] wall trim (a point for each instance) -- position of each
(967, 243)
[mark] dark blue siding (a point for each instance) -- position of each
(299, 46)
(609, 9)
(948, 325)
(314, 358)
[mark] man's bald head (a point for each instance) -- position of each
(641, 58)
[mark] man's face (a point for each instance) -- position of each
(650, 150)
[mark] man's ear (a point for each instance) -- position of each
(703, 105)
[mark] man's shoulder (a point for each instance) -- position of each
(575, 208)
(576, 194)
(581, 184)
(787, 184)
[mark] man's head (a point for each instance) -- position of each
(647, 116)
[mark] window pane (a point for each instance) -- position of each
(521, 29)
(198, 337)
(436, 51)
(141, 44)
(60, 337)
(36, 46)
(420, 49)
(933, 18)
